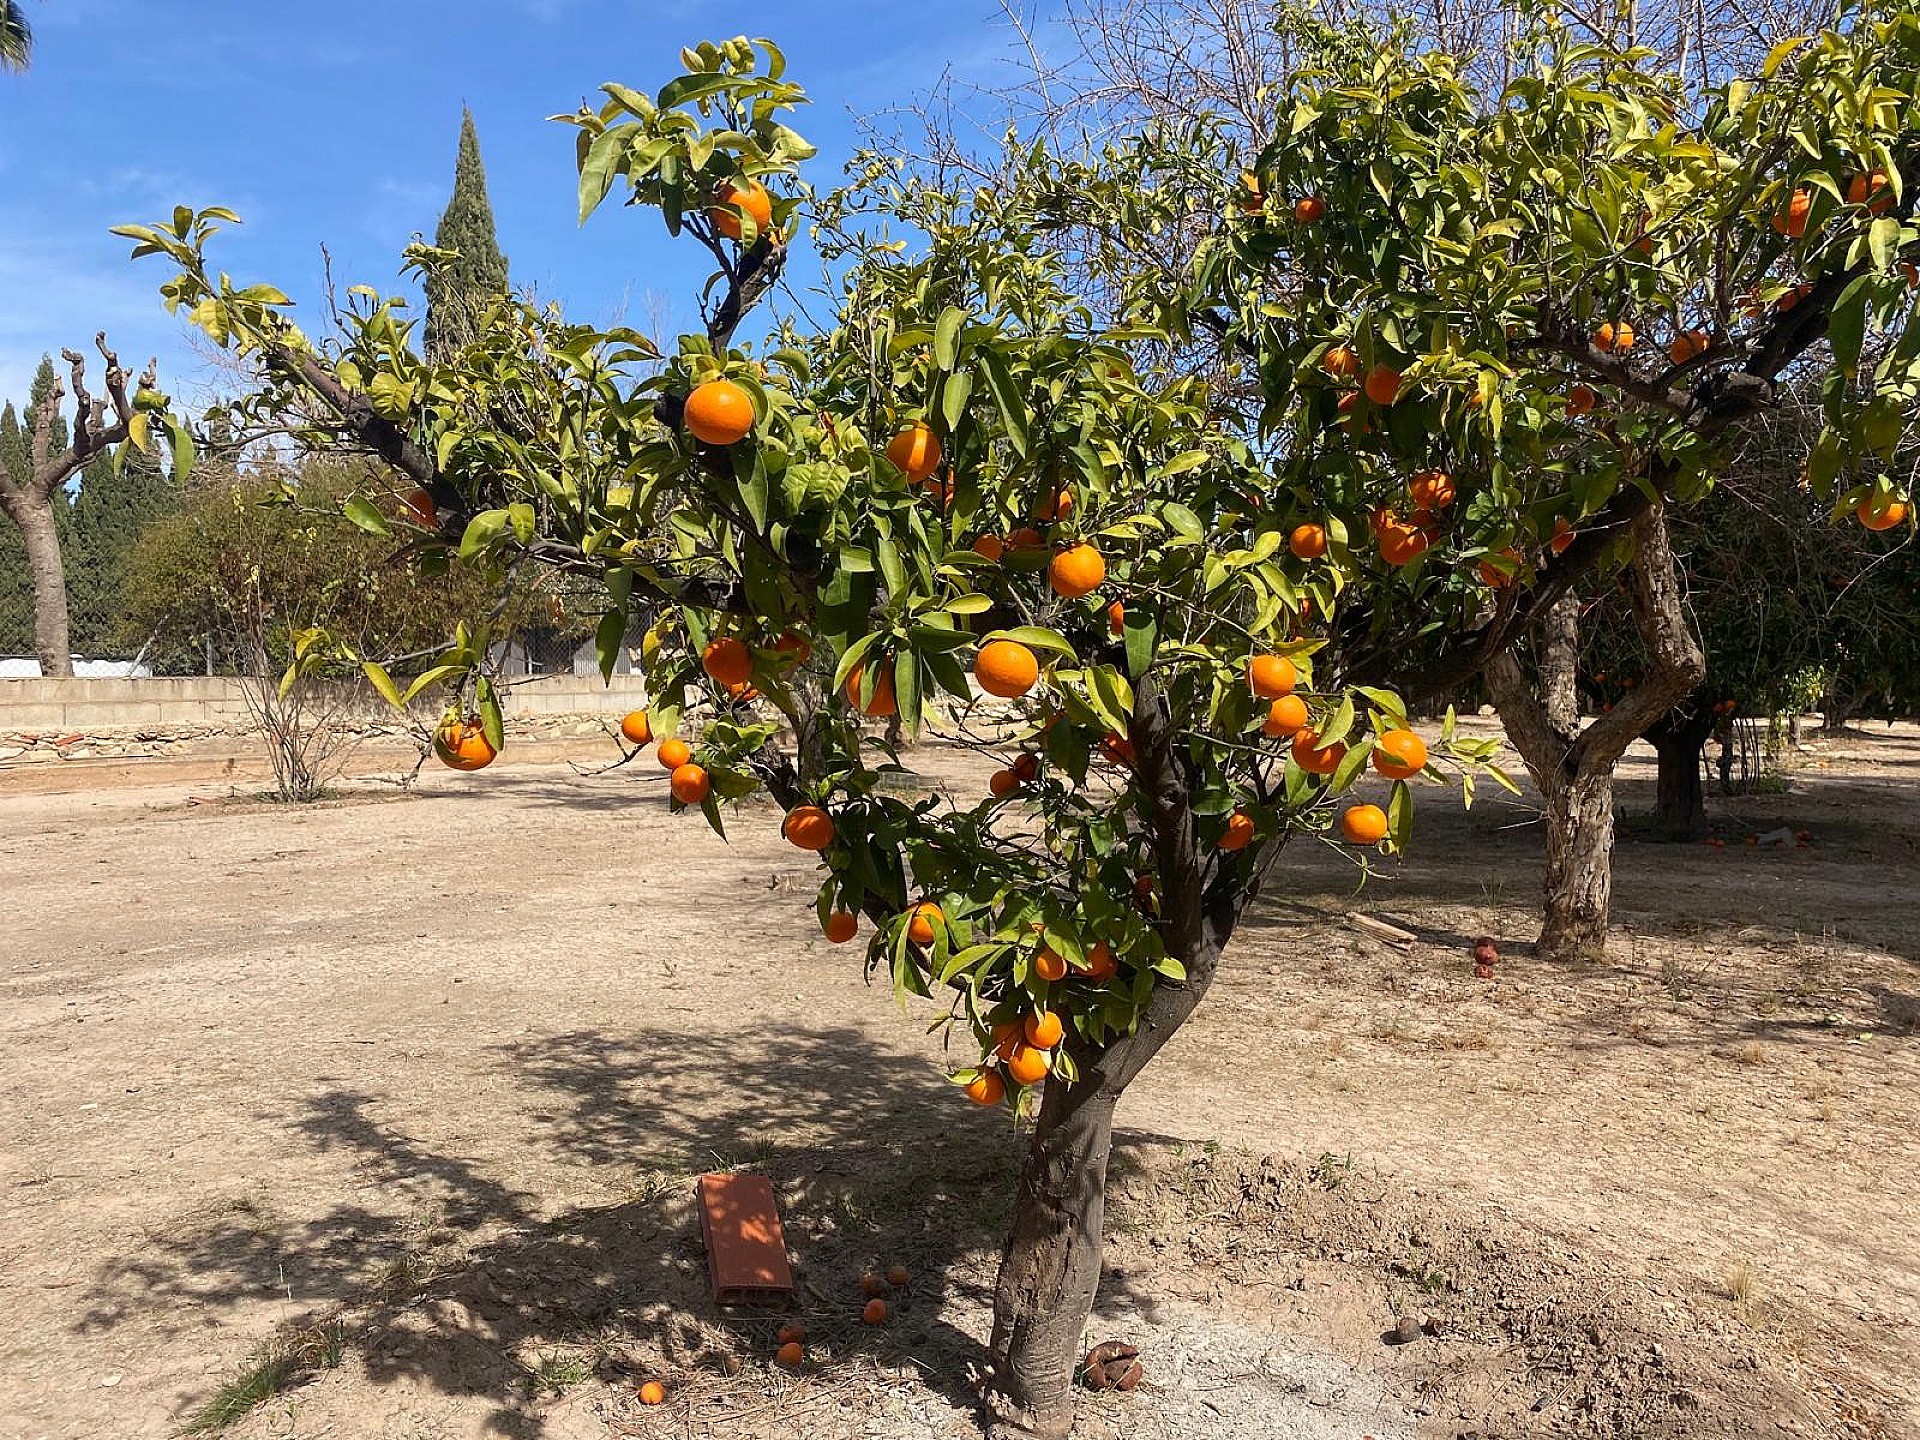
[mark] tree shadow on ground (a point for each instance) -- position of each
(458, 1275)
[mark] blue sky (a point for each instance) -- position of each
(336, 124)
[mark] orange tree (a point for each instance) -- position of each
(1493, 340)
(1179, 623)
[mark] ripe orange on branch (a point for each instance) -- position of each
(1309, 541)
(1340, 362)
(463, 744)
(1399, 754)
(1101, 964)
(1077, 572)
(1431, 489)
(637, 728)
(809, 827)
(673, 753)
(1309, 208)
(1239, 832)
(1057, 506)
(1285, 716)
(1872, 190)
(920, 927)
(883, 703)
(1614, 337)
(1271, 676)
(1026, 1065)
(730, 199)
(1383, 385)
(1006, 668)
(1310, 758)
(727, 661)
(1363, 825)
(1049, 965)
(986, 1088)
(1043, 1029)
(1493, 576)
(842, 926)
(719, 412)
(1792, 221)
(915, 451)
(1880, 512)
(690, 784)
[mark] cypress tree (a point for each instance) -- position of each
(16, 588)
(458, 292)
(104, 519)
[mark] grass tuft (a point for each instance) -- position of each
(257, 1382)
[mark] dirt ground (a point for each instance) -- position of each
(391, 1106)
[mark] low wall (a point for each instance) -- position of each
(86, 706)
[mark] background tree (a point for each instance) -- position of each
(255, 566)
(16, 36)
(1201, 622)
(476, 275)
(16, 583)
(34, 498)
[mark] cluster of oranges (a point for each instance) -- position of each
(1252, 200)
(1397, 754)
(1024, 1048)
(690, 783)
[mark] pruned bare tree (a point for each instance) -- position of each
(100, 422)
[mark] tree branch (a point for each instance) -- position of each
(1679, 666)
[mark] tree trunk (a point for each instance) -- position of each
(1050, 1265)
(1573, 768)
(1559, 663)
(1579, 874)
(1680, 799)
(52, 640)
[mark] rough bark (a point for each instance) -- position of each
(1573, 768)
(52, 643)
(28, 500)
(1559, 663)
(1680, 738)
(1579, 872)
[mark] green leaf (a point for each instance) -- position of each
(362, 512)
(521, 517)
(1185, 523)
(1008, 396)
(954, 396)
(429, 678)
(1141, 634)
(1779, 53)
(946, 337)
(183, 453)
(607, 638)
(1883, 240)
(1400, 815)
(383, 682)
(1035, 637)
(491, 724)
